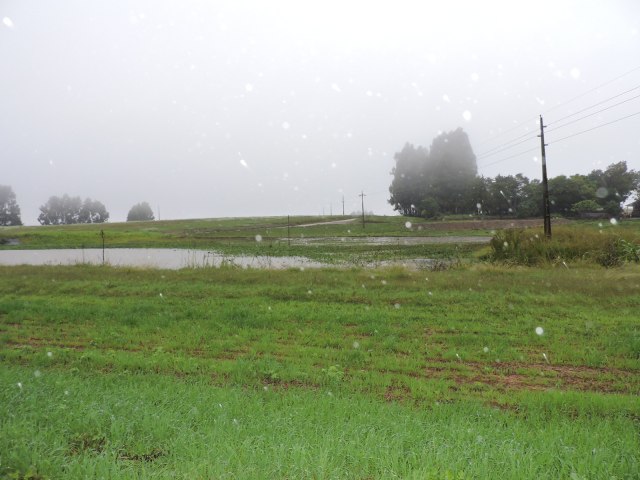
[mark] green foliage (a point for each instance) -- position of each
(443, 173)
(140, 212)
(9, 208)
(530, 247)
(68, 210)
(586, 206)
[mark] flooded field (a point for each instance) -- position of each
(387, 240)
(149, 258)
(175, 259)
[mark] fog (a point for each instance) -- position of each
(247, 108)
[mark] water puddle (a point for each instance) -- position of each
(175, 259)
(389, 240)
(172, 259)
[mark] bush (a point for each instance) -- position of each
(140, 212)
(531, 247)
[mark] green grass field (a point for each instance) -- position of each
(230, 373)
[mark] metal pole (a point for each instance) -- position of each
(545, 185)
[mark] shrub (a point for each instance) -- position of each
(531, 247)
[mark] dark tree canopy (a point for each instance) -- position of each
(438, 179)
(9, 209)
(68, 210)
(443, 180)
(140, 212)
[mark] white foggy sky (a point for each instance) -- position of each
(211, 108)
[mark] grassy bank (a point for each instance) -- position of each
(474, 373)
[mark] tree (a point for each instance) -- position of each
(441, 176)
(451, 171)
(586, 206)
(565, 192)
(614, 185)
(68, 210)
(9, 209)
(140, 212)
(635, 213)
(407, 186)
(93, 211)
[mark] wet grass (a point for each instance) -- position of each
(215, 233)
(229, 373)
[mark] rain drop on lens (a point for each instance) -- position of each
(539, 330)
(408, 224)
(258, 238)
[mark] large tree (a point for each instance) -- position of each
(614, 185)
(407, 187)
(435, 179)
(565, 192)
(451, 171)
(140, 212)
(9, 209)
(67, 210)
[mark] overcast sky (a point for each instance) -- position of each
(241, 108)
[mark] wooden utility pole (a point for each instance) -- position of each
(288, 231)
(343, 205)
(545, 185)
(362, 195)
(102, 235)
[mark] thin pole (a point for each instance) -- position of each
(362, 195)
(288, 231)
(343, 205)
(102, 235)
(545, 185)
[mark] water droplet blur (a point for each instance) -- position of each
(7, 22)
(19, 385)
(356, 345)
(286, 125)
(396, 306)
(466, 115)
(37, 373)
(613, 221)
(49, 354)
(258, 238)
(539, 330)
(408, 224)
(485, 349)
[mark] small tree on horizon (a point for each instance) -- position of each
(9, 208)
(140, 212)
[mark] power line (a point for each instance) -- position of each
(509, 158)
(628, 72)
(594, 105)
(593, 89)
(596, 127)
(594, 113)
(504, 147)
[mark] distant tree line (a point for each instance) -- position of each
(65, 210)
(68, 210)
(442, 179)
